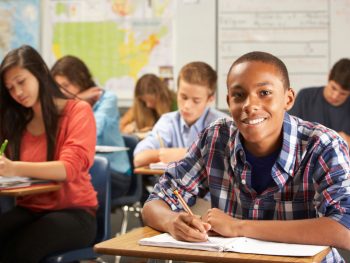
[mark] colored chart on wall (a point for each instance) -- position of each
(19, 24)
(118, 40)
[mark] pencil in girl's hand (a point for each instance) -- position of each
(3, 147)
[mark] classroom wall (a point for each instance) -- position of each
(309, 36)
(195, 32)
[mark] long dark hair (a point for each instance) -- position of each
(14, 118)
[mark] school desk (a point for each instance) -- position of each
(33, 189)
(146, 170)
(127, 245)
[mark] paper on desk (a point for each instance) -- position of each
(237, 244)
(109, 149)
(158, 166)
(7, 182)
(250, 245)
(10, 179)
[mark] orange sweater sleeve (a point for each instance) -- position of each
(77, 139)
(75, 147)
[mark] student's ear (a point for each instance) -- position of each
(289, 99)
(211, 99)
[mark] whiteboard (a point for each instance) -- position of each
(308, 36)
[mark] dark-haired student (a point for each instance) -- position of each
(328, 105)
(76, 81)
(271, 176)
(49, 137)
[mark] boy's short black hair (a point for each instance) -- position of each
(340, 73)
(267, 58)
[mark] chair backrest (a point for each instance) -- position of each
(135, 191)
(101, 180)
(130, 141)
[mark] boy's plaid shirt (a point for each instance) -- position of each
(311, 175)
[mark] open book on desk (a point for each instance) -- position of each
(158, 166)
(9, 182)
(236, 244)
(110, 149)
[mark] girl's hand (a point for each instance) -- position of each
(188, 228)
(129, 128)
(7, 167)
(91, 95)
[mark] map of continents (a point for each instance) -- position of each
(118, 40)
(19, 24)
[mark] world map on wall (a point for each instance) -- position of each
(119, 40)
(19, 24)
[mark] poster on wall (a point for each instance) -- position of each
(19, 25)
(118, 40)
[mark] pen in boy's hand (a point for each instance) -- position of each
(161, 142)
(3, 147)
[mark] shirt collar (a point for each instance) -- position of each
(199, 125)
(286, 158)
(288, 153)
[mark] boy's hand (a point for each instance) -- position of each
(167, 155)
(188, 228)
(221, 223)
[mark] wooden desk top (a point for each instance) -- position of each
(34, 189)
(146, 170)
(127, 245)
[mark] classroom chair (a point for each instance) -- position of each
(6, 203)
(131, 201)
(101, 180)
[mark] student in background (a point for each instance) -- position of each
(76, 81)
(49, 137)
(176, 131)
(328, 105)
(152, 99)
(271, 176)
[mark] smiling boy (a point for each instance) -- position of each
(271, 176)
(177, 130)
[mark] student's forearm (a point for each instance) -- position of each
(318, 231)
(54, 170)
(157, 214)
(146, 157)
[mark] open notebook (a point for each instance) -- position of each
(110, 149)
(8, 182)
(236, 244)
(158, 166)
